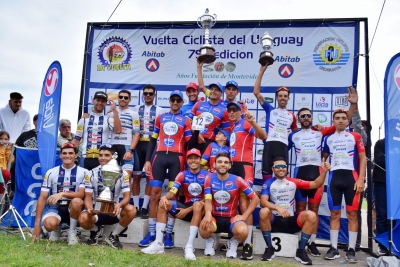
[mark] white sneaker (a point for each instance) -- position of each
(189, 253)
(55, 235)
(209, 250)
(232, 248)
(154, 248)
(72, 238)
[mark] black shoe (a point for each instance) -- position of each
(332, 254)
(225, 248)
(351, 255)
(247, 253)
(268, 254)
(94, 237)
(382, 251)
(113, 241)
(138, 213)
(312, 249)
(302, 256)
(358, 247)
(144, 214)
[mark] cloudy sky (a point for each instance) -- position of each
(35, 33)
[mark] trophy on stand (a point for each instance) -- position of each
(207, 51)
(266, 55)
(110, 173)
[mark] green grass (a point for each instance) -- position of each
(15, 251)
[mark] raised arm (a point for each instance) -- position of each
(257, 85)
(200, 78)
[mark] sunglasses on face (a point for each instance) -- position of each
(148, 94)
(68, 153)
(177, 100)
(303, 116)
(280, 166)
(232, 110)
(123, 97)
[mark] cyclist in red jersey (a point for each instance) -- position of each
(222, 191)
(241, 150)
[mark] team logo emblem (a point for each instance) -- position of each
(51, 82)
(114, 54)
(152, 64)
(397, 76)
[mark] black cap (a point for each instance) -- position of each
(100, 94)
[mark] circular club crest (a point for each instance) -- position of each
(114, 50)
(195, 189)
(222, 197)
(170, 128)
(232, 140)
(51, 82)
(208, 117)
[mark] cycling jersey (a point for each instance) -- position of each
(215, 116)
(130, 125)
(95, 131)
(208, 158)
(193, 185)
(308, 145)
(242, 141)
(343, 148)
(94, 184)
(147, 117)
(173, 130)
(279, 123)
(60, 179)
(225, 194)
(282, 192)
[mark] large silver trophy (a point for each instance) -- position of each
(266, 55)
(205, 22)
(110, 173)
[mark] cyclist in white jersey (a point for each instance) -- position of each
(95, 130)
(65, 186)
(279, 123)
(147, 115)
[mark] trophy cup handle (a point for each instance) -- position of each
(214, 19)
(199, 23)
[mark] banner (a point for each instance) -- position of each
(49, 115)
(28, 182)
(392, 136)
(383, 239)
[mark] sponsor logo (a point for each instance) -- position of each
(286, 70)
(51, 82)
(397, 76)
(195, 189)
(170, 128)
(341, 101)
(232, 140)
(221, 208)
(208, 117)
(229, 184)
(321, 118)
(259, 151)
(177, 118)
(249, 101)
(219, 66)
(269, 100)
(114, 54)
(152, 65)
(153, 54)
(322, 103)
(287, 59)
(222, 197)
(331, 53)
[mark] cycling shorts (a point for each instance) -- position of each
(176, 205)
(127, 165)
(61, 212)
(308, 173)
(273, 149)
(244, 170)
(173, 162)
(290, 225)
(341, 182)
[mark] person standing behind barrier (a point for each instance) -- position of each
(279, 123)
(13, 118)
(95, 130)
(345, 151)
(147, 116)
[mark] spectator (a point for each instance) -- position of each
(5, 149)
(14, 119)
(29, 138)
(66, 136)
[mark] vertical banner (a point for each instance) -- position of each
(392, 136)
(48, 116)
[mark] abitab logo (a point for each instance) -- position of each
(321, 118)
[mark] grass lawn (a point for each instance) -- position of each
(15, 251)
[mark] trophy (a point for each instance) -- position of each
(110, 172)
(207, 51)
(266, 55)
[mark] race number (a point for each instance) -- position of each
(277, 244)
(198, 123)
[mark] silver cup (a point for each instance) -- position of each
(266, 55)
(206, 22)
(110, 173)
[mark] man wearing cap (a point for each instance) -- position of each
(192, 92)
(147, 116)
(95, 130)
(192, 183)
(28, 138)
(241, 151)
(173, 130)
(221, 144)
(279, 123)
(13, 118)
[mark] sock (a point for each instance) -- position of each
(352, 239)
(267, 238)
(249, 235)
(334, 238)
(135, 201)
(303, 240)
(312, 238)
(152, 226)
(192, 235)
(118, 229)
(146, 201)
(95, 228)
(170, 225)
(72, 224)
(159, 231)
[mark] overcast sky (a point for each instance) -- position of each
(35, 33)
